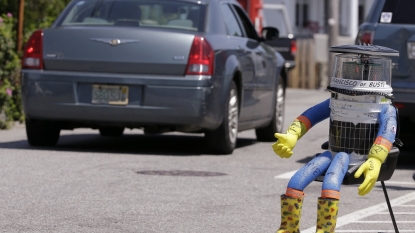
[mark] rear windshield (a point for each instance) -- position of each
(135, 13)
(398, 12)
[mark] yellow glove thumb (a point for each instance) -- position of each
(370, 169)
(286, 142)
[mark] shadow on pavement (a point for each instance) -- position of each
(180, 145)
(394, 187)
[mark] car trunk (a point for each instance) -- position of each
(391, 36)
(116, 50)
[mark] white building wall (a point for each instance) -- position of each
(348, 26)
(367, 4)
(317, 14)
(349, 13)
(291, 11)
(354, 18)
(320, 15)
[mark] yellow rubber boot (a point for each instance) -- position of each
(327, 215)
(290, 214)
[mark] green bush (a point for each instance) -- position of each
(37, 14)
(10, 98)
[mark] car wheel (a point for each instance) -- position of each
(42, 133)
(266, 134)
(223, 139)
(111, 131)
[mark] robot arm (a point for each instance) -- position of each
(315, 115)
(379, 150)
(286, 142)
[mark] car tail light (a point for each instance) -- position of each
(293, 47)
(201, 57)
(399, 105)
(32, 57)
(365, 37)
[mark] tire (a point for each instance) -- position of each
(42, 133)
(111, 131)
(266, 134)
(223, 139)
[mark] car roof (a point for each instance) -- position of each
(206, 1)
(200, 1)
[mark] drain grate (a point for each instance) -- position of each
(181, 173)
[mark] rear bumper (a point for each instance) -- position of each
(153, 100)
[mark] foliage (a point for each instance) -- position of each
(37, 14)
(9, 6)
(10, 106)
(40, 14)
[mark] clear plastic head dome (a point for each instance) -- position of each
(361, 72)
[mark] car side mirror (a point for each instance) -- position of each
(270, 33)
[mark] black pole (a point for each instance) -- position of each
(389, 207)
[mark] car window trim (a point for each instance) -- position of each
(235, 14)
(237, 20)
(240, 21)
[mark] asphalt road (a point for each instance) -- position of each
(168, 183)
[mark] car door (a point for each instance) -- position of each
(244, 54)
(265, 67)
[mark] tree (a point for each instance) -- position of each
(36, 14)
(41, 14)
(20, 21)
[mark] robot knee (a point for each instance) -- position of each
(342, 156)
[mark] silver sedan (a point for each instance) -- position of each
(186, 66)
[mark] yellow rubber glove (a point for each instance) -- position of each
(371, 168)
(286, 142)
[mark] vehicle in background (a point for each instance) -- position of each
(194, 66)
(275, 15)
(390, 23)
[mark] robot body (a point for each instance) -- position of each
(362, 130)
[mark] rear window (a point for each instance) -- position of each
(135, 13)
(275, 18)
(398, 12)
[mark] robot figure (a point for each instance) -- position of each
(362, 128)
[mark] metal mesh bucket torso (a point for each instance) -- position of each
(348, 137)
(356, 71)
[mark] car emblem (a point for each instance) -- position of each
(114, 42)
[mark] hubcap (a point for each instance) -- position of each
(233, 116)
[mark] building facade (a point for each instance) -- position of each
(308, 17)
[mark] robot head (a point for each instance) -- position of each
(362, 69)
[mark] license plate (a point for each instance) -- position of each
(109, 94)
